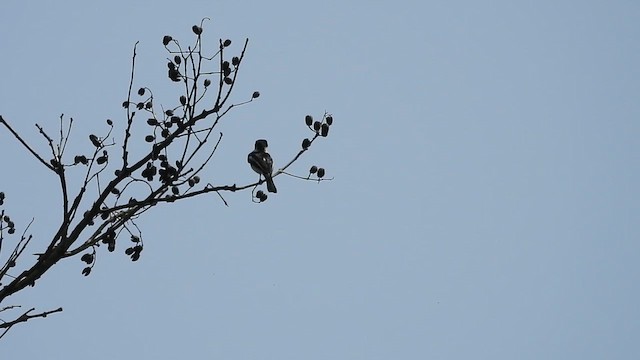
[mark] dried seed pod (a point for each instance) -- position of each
(324, 130)
(80, 159)
(174, 75)
(94, 140)
(329, 120)
(86, 271)
(166, 39)
(87, 258)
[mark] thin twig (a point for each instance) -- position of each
(127, 133)
(17, 251)
(305, 178)
(25, 317)
(9, 307)
(24, 143)
(296, 157)
(223, 200)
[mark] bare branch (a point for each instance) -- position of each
(25, 317)
(127, 133)
(17, 251)
(308, 177)
(24, 143)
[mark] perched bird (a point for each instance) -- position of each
(261, 162)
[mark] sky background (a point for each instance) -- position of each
(485, 199)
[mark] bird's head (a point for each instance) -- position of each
(261, 145)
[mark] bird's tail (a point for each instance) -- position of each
(271, 187)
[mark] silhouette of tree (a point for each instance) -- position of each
(179, 143)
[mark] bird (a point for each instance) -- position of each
(262, 163)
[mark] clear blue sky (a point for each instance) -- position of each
(485, 202)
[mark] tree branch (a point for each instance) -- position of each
(127, 133)
(24, 317)
(24, 143)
